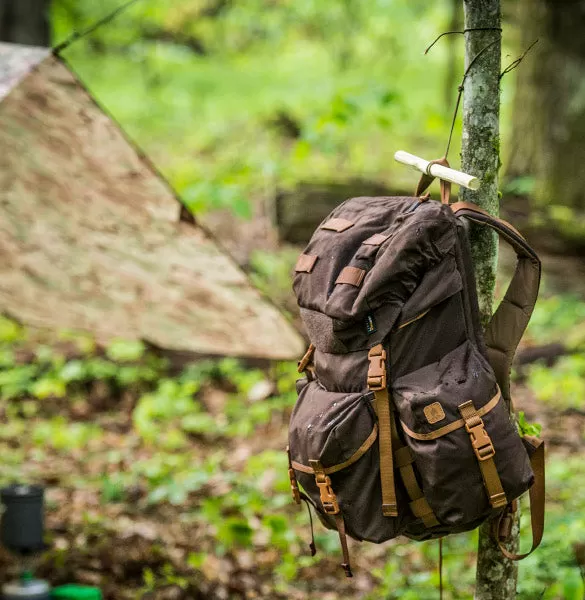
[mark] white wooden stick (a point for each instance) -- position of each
(420, 164)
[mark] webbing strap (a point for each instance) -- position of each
(537, 501)
(484, 452)
(377, 384)
(418, 504)
(509, 321)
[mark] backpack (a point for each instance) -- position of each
(402, 424)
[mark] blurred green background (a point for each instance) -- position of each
(170, 481)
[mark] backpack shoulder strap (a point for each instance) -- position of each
(509, 322)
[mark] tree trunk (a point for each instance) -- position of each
(25, 22)
(496, 576)
(549, 105)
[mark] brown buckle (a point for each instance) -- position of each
(294, 486)
(377, 369)
(481, 442)
(328, 497)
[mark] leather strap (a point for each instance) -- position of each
(509, 321)
(426, 180)
(307, 359)
(376, 240)
(351, 275)
(346, 564)
(331, 507)
(337, 224)
(484, 452)
(294, 484)
(537, 502)
(377, 384)
(305, 263)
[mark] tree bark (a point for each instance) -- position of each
(496, 576)
(25, 22)
(549, 106)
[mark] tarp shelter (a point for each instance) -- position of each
(91, 235)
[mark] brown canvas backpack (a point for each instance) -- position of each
(402, 423)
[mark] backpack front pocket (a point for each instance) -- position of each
(468, 455)
(339, 431)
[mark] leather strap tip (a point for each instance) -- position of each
(313, 548)
(389, 510)
(347, 570)
(499, 501)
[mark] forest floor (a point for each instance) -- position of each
(171, 484)
(118, 537)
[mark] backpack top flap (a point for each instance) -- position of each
(363, 263)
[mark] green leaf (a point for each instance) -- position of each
(125, 350)
(573, 586)
(526, 428)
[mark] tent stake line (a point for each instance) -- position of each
(420, 164)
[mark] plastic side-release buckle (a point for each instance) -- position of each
(481, 441)
(377, 369)
(328, 497)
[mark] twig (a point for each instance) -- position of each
(76, 35)
(460, 90)
(462, 31)
(516, 62)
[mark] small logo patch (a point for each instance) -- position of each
(434, 413)
(370, 325)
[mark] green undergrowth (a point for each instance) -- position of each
(559, 319)
(278, 92)
(206, 441)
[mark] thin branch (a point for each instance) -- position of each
(76, 35)
(460, 89)
(440, 36)
(461, 32)
(516, 62)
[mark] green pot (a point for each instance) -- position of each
(76, 592)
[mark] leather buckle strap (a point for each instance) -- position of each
(481, 441)
(328, 497)
(377, 368)
(294, 485)
(484, 451)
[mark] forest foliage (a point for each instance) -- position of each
(235, 101)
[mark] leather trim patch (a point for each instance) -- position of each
(376, 240)
(352, 276)
(305, 263)
(338, 225)
(434, 412)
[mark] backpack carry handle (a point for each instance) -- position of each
(510, 319)
(426, 179)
